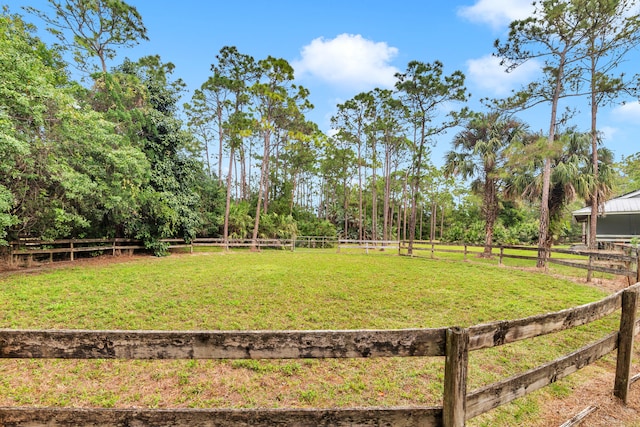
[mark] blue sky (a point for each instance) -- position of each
(342, 47)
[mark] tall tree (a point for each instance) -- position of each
(425, 89)
(338, 168)
(170, 203)
(555, 32)
(70, 172)
(276, 100)
(389, 126)
(613, 30)
(572, 174)
(480, 151)
(351, 121)
(94, 28)
(223, 101)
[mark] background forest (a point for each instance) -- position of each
(119, 153)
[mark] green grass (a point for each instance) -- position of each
(473, 253)
(278, 290)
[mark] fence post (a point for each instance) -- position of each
(638, 268)
(71, 250)
(625, 344)
(501, 254)
(465, 251)
(455, 377)
(433, 247)
(589, 265)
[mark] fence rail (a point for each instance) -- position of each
(617, 263)
(452, 343)
(29, 250)
(621, 264)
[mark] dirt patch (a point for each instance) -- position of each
(597, 389)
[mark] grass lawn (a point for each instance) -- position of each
(281, 290)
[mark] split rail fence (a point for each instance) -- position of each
(452, 343)
(612, 262)
(25, 252)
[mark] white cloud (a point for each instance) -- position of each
(497, 13)
(348, 60)
(487, 74)
(627, 112)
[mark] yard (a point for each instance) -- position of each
(280, 290)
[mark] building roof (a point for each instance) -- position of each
(626, 204)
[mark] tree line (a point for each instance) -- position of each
(117, 155)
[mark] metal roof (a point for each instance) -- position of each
(625, 204)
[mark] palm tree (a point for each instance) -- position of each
(572, 175)
(480, 151)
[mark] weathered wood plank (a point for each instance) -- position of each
(61, 417)
(492, 396)
(625, 344)
(455, 377)
(579, 417)
(508, 331)
(520, 256)
(597, 254)
(80, 344)
(618, 271)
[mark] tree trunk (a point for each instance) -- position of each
(227, 209)
(293, 192)
(374, 193)
(414, 197)
(263, 171)
(594, 199)
(433, 222)
(441, 222)
(346, 209)
(421, 222)
(491, 212)
(220, 142)
(387, 190)
(360, 207)
(243, 174)
(543, 236)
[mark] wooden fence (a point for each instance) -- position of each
(617, 263)
(452, 343)
(25, 252)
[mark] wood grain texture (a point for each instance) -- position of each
(492, 396)
(625, 344)
(61, 417)
(81, 344)
(508, 331)
(455, 377)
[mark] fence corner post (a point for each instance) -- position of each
(625, 344)
(455, 377)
